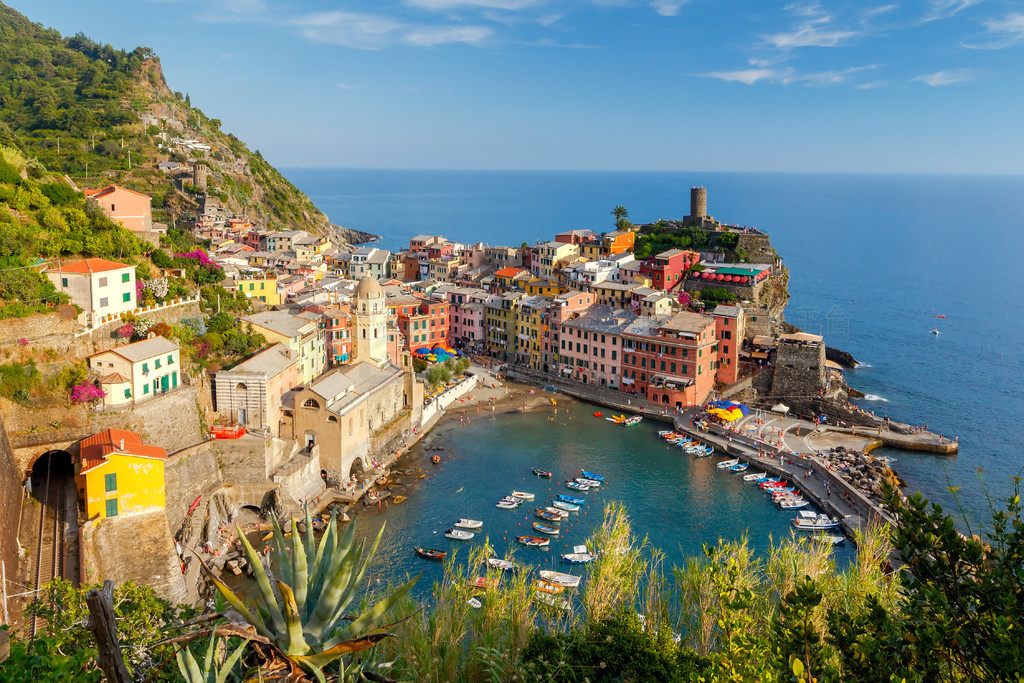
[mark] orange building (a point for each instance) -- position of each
(729, 330)
(129, 208)
(671, 360)
(618, 242)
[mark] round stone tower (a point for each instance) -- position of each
(199, 173)
(370, 322)
(698, 203)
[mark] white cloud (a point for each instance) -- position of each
(668, 8)
(429, 36)
(1004, 32)
(944, 9)
(788, 76)
(442, 5)
(549, 19)
(815, 29)
(346, 86)
(870, 86)
(951, 77)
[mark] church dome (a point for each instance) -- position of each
(369, 288)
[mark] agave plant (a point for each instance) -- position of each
(211, 670)
(305, 619)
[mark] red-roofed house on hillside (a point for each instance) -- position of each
(505, 278)
(99, 287)
(129, 208)
(116, 474)
(668, 268)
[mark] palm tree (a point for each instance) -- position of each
(621, 214)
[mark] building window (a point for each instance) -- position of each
(145, 368)
(127, 393)
(104, 302)
(63, 282)
(112, 507)
(170, 360)
(126, 277)
(103, 282)
(110, 482)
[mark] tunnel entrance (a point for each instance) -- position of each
(53, 473)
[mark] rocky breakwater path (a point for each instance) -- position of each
(863, 472)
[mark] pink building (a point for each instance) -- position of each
(466, 316)
(564, 307)
(590, 346)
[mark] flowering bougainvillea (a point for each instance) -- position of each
(198, 255)
(86, 392)
(125, 331)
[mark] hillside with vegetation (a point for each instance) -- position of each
(102, 115)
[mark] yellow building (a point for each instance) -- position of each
(532, 331)
(116, 474)
(500, 323)
(264, 289)
(538, 287)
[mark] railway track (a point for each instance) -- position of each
(49, 561)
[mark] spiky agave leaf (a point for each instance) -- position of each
(338, 583)
(300, 581)
(296, 641)
(310, 542)
(350, 592)
(188, 666)
(321, 562)
(322, 659)
(270, 603)
(368, 617)
(257, 620)
(279, 553)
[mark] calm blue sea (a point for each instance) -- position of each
(874, 258)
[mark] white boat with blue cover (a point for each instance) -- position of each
(591, 475)
(571, 499)
(567, 507)
(576, 486)
(592, 483)
(726, 464)
(754, 476)
(741, 467)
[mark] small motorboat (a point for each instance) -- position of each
(793, 504)
(665, 433)
(578, 558)
(507, 505)
(766, 480)
(541, 473)
(829, 539)
(812, 521)
(571, 499)
(483, 582)
(560, 578)
(549, 588)
(633, 421)
(431, 554)
(576, 486)
(565, 506)
(592, 483)
(741, 467)
(522, 495)
(941, 316)
(546, 528)
(726, 464)
(534, 541)
(598, 415)
(548, 516)
(459, 535)
(469, 524)
(936, 331)
(436, 459)
(498, 563)
(753, 477)
(551, 601)
(557, 512)
(591, 475)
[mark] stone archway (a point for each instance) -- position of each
(357, 470)
(51, 472)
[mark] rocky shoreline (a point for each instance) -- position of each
(863, 472)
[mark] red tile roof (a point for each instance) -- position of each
(509, 272)
(95, 450)
(111, 188)
(89, 265)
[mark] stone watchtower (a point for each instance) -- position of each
(370, 322)
(199, 174)
(698, 208)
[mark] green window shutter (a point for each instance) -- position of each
(126, 297)
(112, 507)
(156, 363)
(110, 482)
(170, 360)
(145, 367)
(126, 277)
(127, 393)
(145, 389)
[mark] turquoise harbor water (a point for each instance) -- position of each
(677, 501)
(873, 259)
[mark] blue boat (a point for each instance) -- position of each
(576, 485)
(571, 499)
(591, 475)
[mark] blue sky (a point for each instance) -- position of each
(927, 86)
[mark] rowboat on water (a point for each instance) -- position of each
(753, 477)
(507, 505)
(560, 578)
(548, 516)
(557, 512)
(431, 553)
(566, 506)
(474, 603)
(591, 475)
(571, 499)
(793, 504)
(578, 558)
(549, 588)
(534, 541)
(725, 464)
(541, 473)
(522, 495)
(483, 582)
(546, 528)
(592, 483)
(576, 486)
(459, 535)
(398, 499)
(633, 421)
(829, 539)
(740, 467)
(469, 524)
(498, 563)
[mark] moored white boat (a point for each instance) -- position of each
(562, 513)
(812, 521)
(507, 505)
(592, 483)
(522, 495)
(560, 578)
(551, 600)
(534, 541)
(829, 539)
(793, 503)
(469, 524)
(565, 506)
(754, 476)
(728, 463)
(579, 558)
(740, 467)
(576, 486)
(632, 421)
(459, 535)
(546, 528)
(498, 563)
